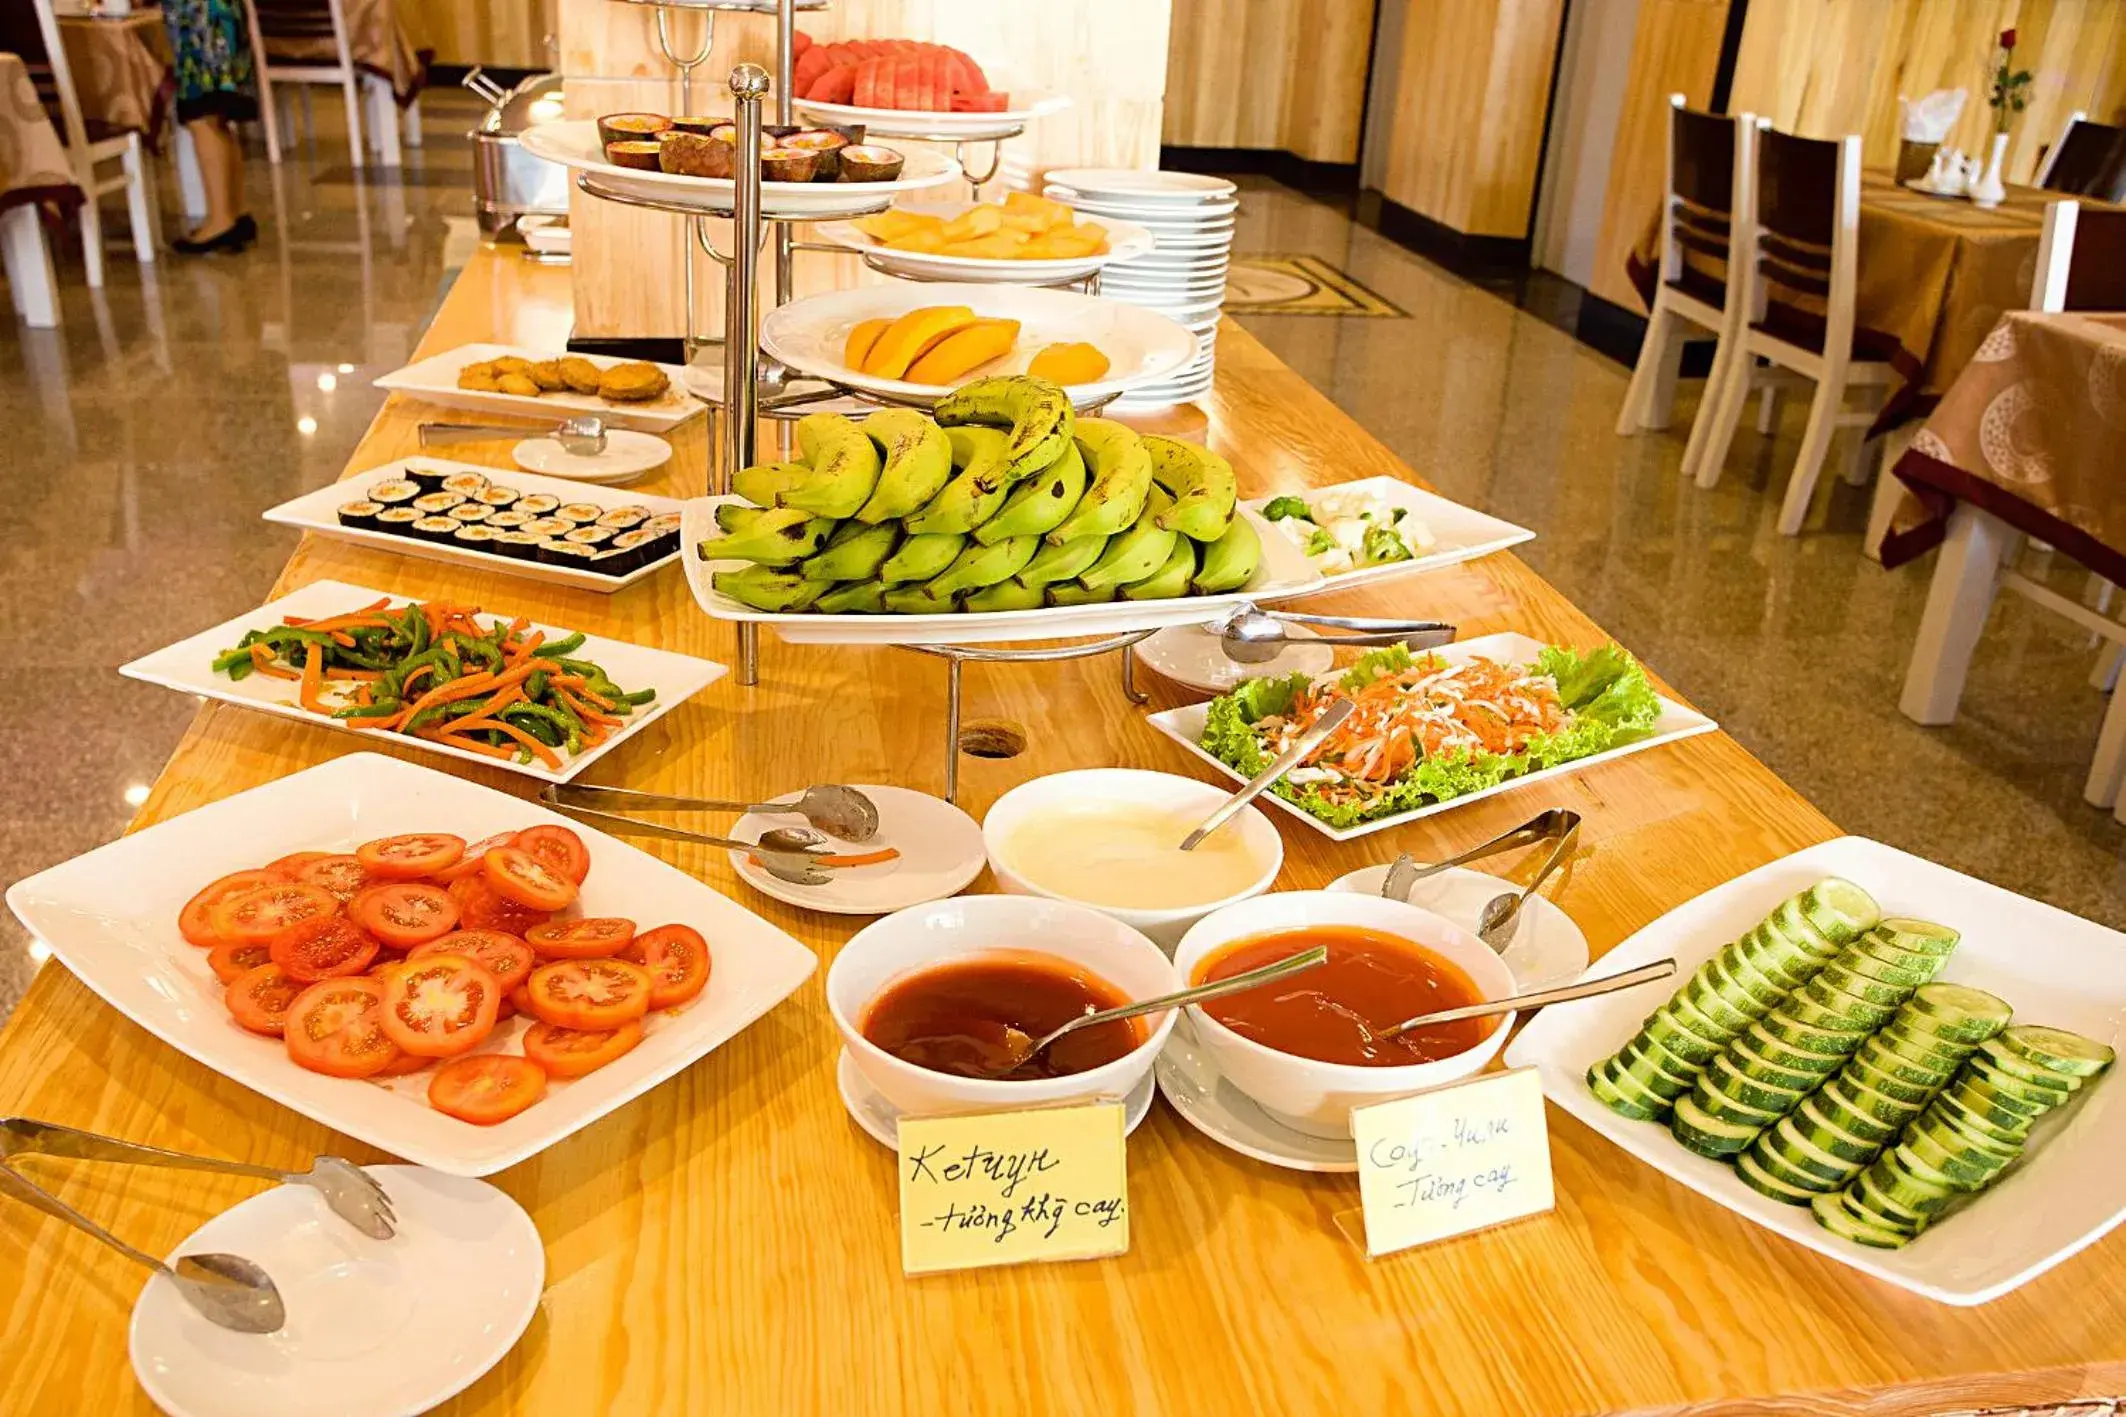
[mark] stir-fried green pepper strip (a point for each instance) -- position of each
(233, 660)
(550, 726)
(382, 708)
(567, 644)
(638, 698)
(535, 687)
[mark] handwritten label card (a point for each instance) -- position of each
(1453, 1160)
(1013, 1187)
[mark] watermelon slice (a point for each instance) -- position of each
(837, 85)
(907, 84)
(806, 71)
(970, 75)
(871, 77)
(991, 102)
(799, 43)
(936, 87)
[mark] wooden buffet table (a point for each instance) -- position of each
(728, 1243)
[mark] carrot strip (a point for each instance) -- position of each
(539, 750)
(262, 661)
(523, 648)
(437, 735)
(869, 858)
(582, 710)
(313, 678)
(450, 691)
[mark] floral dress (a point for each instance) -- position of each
(214, 63)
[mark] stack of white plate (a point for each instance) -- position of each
(1191, 221)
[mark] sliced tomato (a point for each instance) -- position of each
(558, 849)
(403, 1064)
(676, 959)
(523, 878)
(259, 998)
(520, 1000)
(290, 867)
(194, 922)
(482, 907)
(228, 961)
(589, 994)
(324, 948)
(440, 1005)
(571, 1052)
(469, 863)
(506, 957)
(270, 911)
(404, 913)
(337, 1027)
(488, 1089)
(408, 858)
(588, 937)
(344, 876)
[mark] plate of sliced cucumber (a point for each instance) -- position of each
(1894, 1064)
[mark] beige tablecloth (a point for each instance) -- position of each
(2033, 431)
(33, 164)
(378, 41)
(121, 72)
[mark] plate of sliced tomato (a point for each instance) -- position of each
(439, 969)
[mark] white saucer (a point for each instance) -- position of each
(627, 456)
(1547, 949)
(881, 1120)
(1192, 655)
(374, 1326)
(1222, 1112)
(940, 845)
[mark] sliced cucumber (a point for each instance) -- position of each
(1982, 1102)
(1861, 1015)
(1966, 1167)
(1826, 1172)
(1735, 1085)
(2002, 1056)
(1828, 1106)
(1831, 1040)
(1872, 1196)
(1727, 1109)
(1705, 995)
(1785, 964)
(2058, 1050)
(1900, 1187)
(1783, 1171)
(1803, 1009)
(2039, 1095)
(1956, 1137)
(1790, 924)
(1680, 1041)
(1924, 1049)
(1958, 1012)
(1646, 1052)
(1607, 1094)
(1877, 946)
(1734, 993)
(1781, 1054)
(1865, 1100)
(1706, 1134)
(1831, 1213)
(1839, 910)
(1892, 1218)
(2011, 1135)
(1637, 1068)
(1908, 977)
(1975, 1091)
(1762, 989)
(1890, 1085)
(1689, 1017)
(1909, 1162)
(1753, 1065)
(1634, 1092)
(1762, 1181)
(1839, 975)
(1917, 936)
(1827, 1136)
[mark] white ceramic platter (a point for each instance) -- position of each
(1283, 573)
(1142, 346)
(1192, 655)
(435, 380)
(627, 456)
(1125, 242)
(188, 667)
(1136, 185)
(925, 123)
(110, 916)
(574, 143)
(1459, 533)
(1185, 726)
(940, 850)
(380, 1327)
(318, 511)
(2051, 966)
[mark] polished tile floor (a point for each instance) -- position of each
(144, 437)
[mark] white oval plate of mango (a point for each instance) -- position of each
(1021, 240)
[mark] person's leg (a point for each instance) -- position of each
(221, 171)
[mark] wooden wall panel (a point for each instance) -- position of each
(508, 34)
(1472, 90)
(1272, 74)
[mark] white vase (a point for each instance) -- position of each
(1989, 190)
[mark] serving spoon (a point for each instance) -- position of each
(1331, 720)
(1404, 873)
(1501, 915)
(582, 436)
(1608, 984)
(840, 812)
(1254, 636)
(786, 853)
(1020, 1048)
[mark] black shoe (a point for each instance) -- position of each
(241, 233)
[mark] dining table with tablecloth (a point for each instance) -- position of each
(376, 38)
(122, 69)
(34, 173)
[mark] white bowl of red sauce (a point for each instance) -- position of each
(923, 997)
(1110, 838)
(1304, 1048)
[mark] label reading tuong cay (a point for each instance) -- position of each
(1453, 1160)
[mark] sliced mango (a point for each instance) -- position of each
(862, 337)
(912, 336)
(964, 351)
(890, 225)
(997, 246)
(1069, 364)
(978, 220)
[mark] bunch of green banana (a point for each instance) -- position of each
(1201, 483)
(1037, 412)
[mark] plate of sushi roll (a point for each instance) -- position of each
(541, 528)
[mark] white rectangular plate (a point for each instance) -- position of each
(2054, 968)
(435, 379)
(111, 917)
(1459, 533)
(1283, 572)
(1185, 726)
(188, 666)
(318, 511)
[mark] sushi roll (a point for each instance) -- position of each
(664, 524)
(555, 552)
(435, 528)
(361, 514)
(520, 544)
(592, 536)
(465, 484)
(428, 479)
(537, 504)
(495, 495)
(399, 520)
(470, 512)
(625, 518)
(580, 513)
(473, 537)
(435, 504)
(543, 527)
(393, 491)
(610, 562)
(634, 546)
(509, 521)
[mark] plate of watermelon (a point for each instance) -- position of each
(908, 88)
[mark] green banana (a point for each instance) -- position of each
(979, 567)
(780, 592)
(1136, 553)
(773, 538)
(1076, 593)
(844, 468)
(1229, 562)
(762, 483)
(1037, 412)
(921, 557)
(853, 598)
(1061, 563)
(1121, 474)
(918, 600)
(1202, 484)
(1006, 595)
(975, 492)
(1039, 504)
(1170, 581)
(853, 553)
(734, 517)
(917, 463)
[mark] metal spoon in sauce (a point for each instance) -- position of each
(1608, 984)
(1019, 1048)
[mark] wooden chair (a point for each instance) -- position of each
(302, 31)
(1803, 241)
(88, 147)
(2089, 160)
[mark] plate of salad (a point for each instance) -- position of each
(1378, 527)
(1433, 730)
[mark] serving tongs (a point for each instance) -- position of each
(794, 854)
(1251, 635)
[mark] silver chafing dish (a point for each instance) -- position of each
(509, 182)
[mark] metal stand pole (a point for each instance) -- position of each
(741, 339)
(785, 32)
